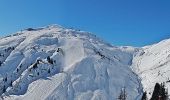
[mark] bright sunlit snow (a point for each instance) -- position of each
(54, 63)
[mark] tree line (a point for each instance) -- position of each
(159, 93)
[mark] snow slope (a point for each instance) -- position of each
(151, 63)
(55, 63)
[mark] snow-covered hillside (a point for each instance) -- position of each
(152, 64)
(54, 63)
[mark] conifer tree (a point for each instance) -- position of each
(159, 93)
(144, 96)
(123, 94)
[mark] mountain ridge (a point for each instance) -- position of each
(70, 64)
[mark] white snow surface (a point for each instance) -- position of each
(82, 67)
(152, 65)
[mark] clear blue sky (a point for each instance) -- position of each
(120, 22)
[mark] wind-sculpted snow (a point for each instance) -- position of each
(54, 63)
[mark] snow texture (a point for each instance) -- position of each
(55, 63)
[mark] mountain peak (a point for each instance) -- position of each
(54, 26)
(76, 62)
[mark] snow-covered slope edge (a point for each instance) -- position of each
(151, 64)
(54, 63)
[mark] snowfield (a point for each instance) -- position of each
(55, 63)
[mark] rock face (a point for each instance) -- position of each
(55, 63)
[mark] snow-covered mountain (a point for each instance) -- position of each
(55, 63)
(152, 64)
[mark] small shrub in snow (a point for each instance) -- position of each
(17, 70)
(38, 73)
(49, 60)
(0, 63)
(60, 50)
(38, 61)
(34, 66)
(30, 29)
(4, 89)
(20, 66)
(5, 79)
(29, 69)
(49, 71)
(13, 48)
(11, 83)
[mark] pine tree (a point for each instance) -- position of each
(163, 92)
(144, 96)
(159, 93)
(123, 94)
(156, 93)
